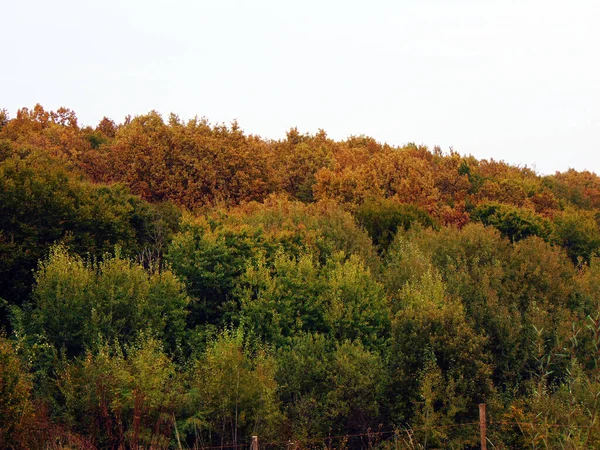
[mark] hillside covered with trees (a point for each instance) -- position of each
(171, 284)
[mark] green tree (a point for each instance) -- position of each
(340, 299)
(78, 304)
(383, 218)
(330, 387)
(233, 392)
(42, 203)
(513, 222)
(432, 328)
(209, 261)
(322, 228)
(579, 233)
(299, 158)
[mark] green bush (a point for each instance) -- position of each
(513, 222)
(382, 219)
(78, 304)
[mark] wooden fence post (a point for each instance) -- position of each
(254, 445)
(482, 426)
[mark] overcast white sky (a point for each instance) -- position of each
(503, 79)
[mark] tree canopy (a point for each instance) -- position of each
(173, 284)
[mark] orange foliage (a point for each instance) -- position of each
(196, 164)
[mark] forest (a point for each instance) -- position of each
(187, 285)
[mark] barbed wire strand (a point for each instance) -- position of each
(336, 437)
(391, 433)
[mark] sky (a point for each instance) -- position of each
(508, 80)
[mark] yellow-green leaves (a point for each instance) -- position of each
(80, 304)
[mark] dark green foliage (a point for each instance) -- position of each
(211, 254)
(475, 179)
(96, 139)
(512, 222)
(384, 218)
(328, 386)
(41, 203)
(579, 233)
(209, 262)
(508, 291)
(431, 332)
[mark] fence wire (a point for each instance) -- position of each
(398, 439)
